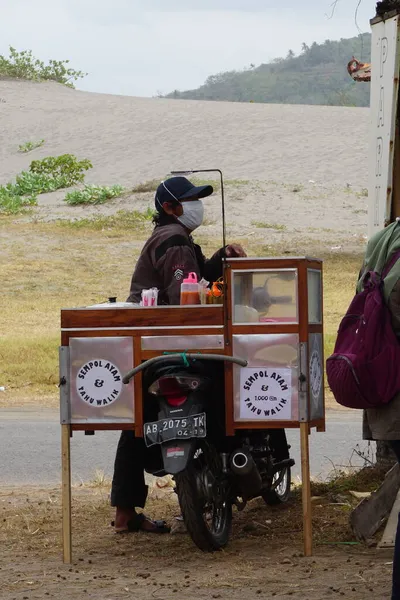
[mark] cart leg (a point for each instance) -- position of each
(306, 488)
(66, 493)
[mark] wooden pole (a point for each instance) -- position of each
(66, 493)
(306, 488)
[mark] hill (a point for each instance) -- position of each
(317, 76)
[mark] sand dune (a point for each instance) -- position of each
(133, 139)
(278, 148)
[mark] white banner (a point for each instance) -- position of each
(384, 93)
(266, 393)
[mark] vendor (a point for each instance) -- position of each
(168, 256)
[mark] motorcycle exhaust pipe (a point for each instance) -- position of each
(246, 472)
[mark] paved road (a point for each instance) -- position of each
(30, 447)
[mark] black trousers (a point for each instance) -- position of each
(129, 489)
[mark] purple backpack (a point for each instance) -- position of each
(364, 370)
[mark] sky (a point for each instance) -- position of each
(150, 47)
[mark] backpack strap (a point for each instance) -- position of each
(390, 264)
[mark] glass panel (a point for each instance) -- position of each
(266, 390)
(316, 374)
(314, 297)
(265, 296)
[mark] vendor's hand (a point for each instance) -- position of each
(235, 251)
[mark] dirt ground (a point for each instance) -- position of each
(263, 560)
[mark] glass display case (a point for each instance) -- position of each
(274, 321)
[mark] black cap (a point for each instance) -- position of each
(180, 188)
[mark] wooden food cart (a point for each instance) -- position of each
(272, 316)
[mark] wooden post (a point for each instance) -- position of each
(306, 488)
(66, 493)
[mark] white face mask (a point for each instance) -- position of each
(193, 213)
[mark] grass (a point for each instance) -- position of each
(264, 225)
(31, 363)
(152, 184)
(93, 194)
(207, 222)
(46, 266)
(216, 183)
(29, 146)
(123, 220)
(323, 229)
(367, 479)
(147, 186)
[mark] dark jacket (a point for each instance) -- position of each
(168, 256)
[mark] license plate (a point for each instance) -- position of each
(192, 426)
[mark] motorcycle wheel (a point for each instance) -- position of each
(203, 495)
(281, 493)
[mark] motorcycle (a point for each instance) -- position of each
(184, 432)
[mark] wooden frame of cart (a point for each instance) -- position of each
(272, 316)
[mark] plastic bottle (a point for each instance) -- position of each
(190, 290)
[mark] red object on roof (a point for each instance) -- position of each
(359, 71)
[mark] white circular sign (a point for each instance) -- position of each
(99, 383)
(315, 374)
(265, 393)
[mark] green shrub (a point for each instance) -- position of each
(37, 183)
(22, 65)
(65, 167)
(263, 225)
(29, 146)
(11, 203)
(47, 175)
(93, 194)
(147, 186)
(34, 183)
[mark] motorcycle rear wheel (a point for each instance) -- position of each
(281, 494)
(203, 495)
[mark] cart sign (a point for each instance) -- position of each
(384, 92)
(99, 382)
(316, 376)
(96, 393)
(266, 393)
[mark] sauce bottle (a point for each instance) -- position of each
(190, 290)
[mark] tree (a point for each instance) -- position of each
(23, 65)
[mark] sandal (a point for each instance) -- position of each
(136, 524)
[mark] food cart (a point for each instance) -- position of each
(271, 316)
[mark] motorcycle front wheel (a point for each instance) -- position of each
(203, 494)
